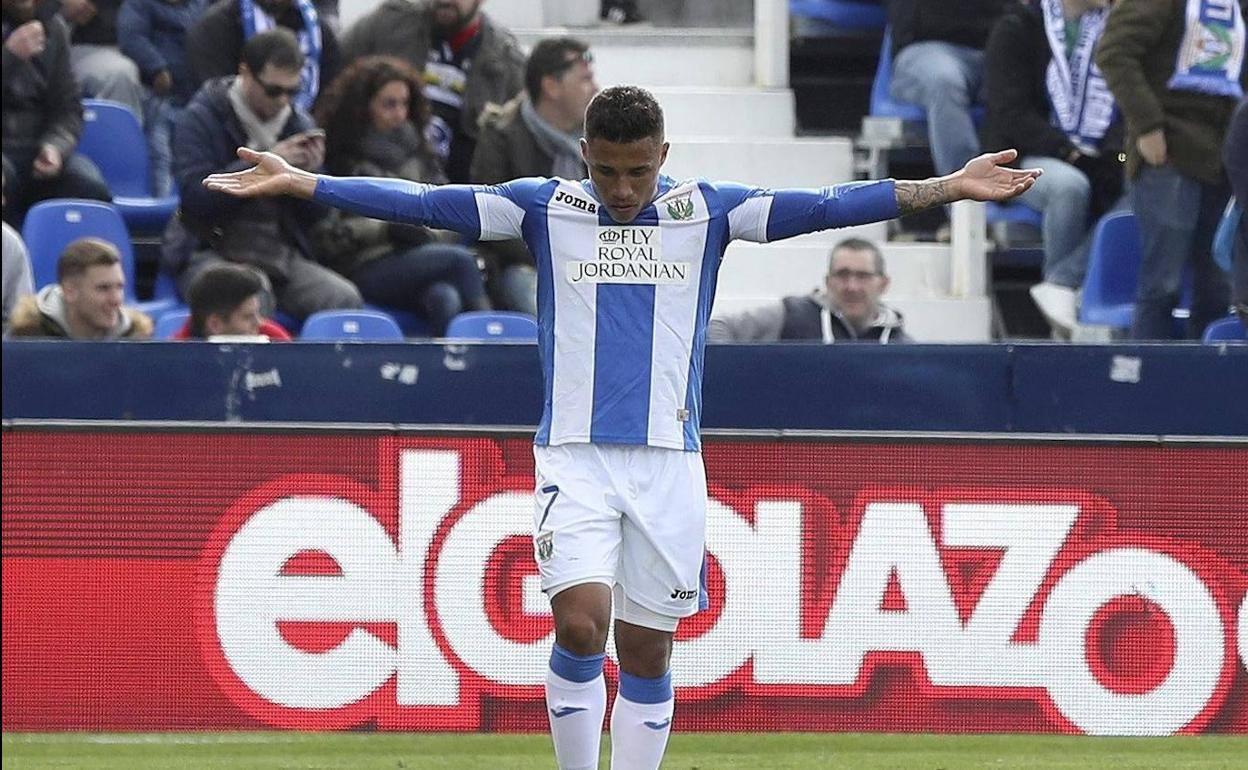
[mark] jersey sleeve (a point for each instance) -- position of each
(759, 215)
(481, 212)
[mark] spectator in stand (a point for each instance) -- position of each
(86, 301)
(18, 275)
(1177, 84)
(468, 61)
(42, 113)
(374, 115)
(153, 34)
(18, 281)
(538, 133)
(102, 70)
(216, 41)
(1235, 154)
(938, 62)
(226, 300)
(848, 309)
(252, 109)
(1047, 99)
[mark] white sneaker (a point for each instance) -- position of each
(1057, 303)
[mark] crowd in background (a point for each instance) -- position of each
(1127, 105)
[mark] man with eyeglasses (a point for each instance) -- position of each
(847, 309)
(538, 133)
(255, 109)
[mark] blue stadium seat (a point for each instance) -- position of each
(1015, 213)
(171, 323)
(1113, 271)
(113, 139)
(1229, 329)
(492, 325)
(411, 324)
(882, 104)
(862, 15)
(52, 225)
(359, 325)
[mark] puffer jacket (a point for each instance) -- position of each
(44, 315)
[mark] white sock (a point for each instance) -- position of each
(641, 720)
(576, 702)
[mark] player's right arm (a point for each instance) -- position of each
(485, 213)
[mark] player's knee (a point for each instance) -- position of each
(581, 633)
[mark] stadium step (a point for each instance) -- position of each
(773, 162)
(662, 56)
(726, 112)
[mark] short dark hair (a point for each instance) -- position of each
(623, 114)
(277, 46)
(859, 244)
(551, 57)
(220, 289)
(83, 254)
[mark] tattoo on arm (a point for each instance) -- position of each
(916, 196)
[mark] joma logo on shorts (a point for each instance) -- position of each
(681, 595)
(575, 202)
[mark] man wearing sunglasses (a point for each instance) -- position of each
(256, 109)
(847, 309)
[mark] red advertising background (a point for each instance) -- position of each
(116, 604)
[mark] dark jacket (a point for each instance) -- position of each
(402, 28)
(964, 22)
(506, 148)
(205, 139)
(1137, 54)
(153, 33)
(42, 103)
(799, 319)
(214, 45)
(1019, 108)
(101, 30)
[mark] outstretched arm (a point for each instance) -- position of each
(487, 213)
(985, 178)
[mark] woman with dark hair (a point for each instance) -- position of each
(374, 117)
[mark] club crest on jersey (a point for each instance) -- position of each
(681, 207)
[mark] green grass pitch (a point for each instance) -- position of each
(687, 751)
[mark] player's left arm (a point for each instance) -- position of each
(769, 215)
(985, 178)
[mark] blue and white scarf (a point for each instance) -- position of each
(1211, 55)
(258, 20)
(1083, 106)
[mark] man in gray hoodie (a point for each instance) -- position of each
(86, 301)
(847, 309)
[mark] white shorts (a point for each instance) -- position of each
(631, 517)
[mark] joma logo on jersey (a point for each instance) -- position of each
(575, 202)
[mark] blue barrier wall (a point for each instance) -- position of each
(1144, 390)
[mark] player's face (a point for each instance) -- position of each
(854, 285)
(625, 174)
(94, 297)
(244, 320)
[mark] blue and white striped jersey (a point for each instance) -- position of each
(622, 308)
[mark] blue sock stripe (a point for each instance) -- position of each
(641, 690)
(575, 668)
